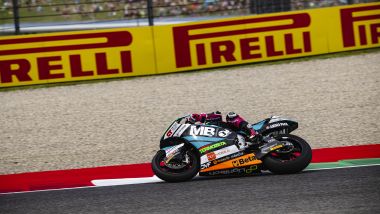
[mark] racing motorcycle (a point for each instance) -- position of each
(218, 149)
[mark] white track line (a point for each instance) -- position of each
(48, 190)
(126, 181)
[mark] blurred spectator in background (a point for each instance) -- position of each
(131, 9)
(6, 5)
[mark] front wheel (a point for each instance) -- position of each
(293, 158)
(176, 170)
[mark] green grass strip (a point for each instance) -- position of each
(344, 163)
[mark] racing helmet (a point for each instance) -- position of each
(231, 116)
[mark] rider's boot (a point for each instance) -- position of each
(254, 141)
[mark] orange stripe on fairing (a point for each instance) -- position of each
(234, 163)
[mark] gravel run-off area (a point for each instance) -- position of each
(335, 100)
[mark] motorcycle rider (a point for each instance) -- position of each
(233, 121)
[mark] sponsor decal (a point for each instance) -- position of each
(205, 165)
(213, 146)
(227, 158)
(221, 160)
(276, 147)
(251, 169)
(202, 131)
(242, 39)
(211, 156)
(237, 155)
(220, 153)
(247, 170)
(207, 131)
(181, 129)
(224, 133)
(226, 151)
(172, 129)
(243, 161)
(50, 64)
(360, 25)
(170, 133)
(277, 125)
(223, 152)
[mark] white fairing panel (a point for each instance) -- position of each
(278, 118)
(220, 153)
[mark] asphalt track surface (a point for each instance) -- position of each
(349, 190)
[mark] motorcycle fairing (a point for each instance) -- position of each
(259, 125)
(275, 124)
(274, 119)
(175, 130)
(203, 135)
(199, 142)
(200, 136)
(242, 161)
(225, 156)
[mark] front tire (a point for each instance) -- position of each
(293, 161)
(175, 175)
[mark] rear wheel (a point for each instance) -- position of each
(178, 169)
(293, 158)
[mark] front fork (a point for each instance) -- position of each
(176, 157)
(173, 151)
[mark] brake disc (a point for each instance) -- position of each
(176, 163)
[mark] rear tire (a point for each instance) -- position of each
(289, 163)
(172, 175)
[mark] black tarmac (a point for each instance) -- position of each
(350, 190)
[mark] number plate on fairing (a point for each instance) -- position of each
(176, 130)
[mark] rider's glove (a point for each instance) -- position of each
(189, 119)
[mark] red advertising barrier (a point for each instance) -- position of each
(124, 52)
